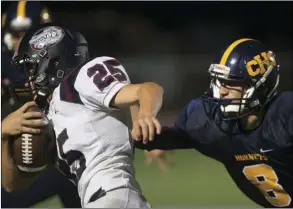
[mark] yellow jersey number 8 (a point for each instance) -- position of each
(266, 180)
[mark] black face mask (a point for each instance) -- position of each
(41, 97)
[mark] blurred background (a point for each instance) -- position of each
(174, 43)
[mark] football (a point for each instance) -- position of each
(34, 152)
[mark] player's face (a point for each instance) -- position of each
(231, 90)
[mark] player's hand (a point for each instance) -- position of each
(145, 126)
(21, 121)
(160, 157)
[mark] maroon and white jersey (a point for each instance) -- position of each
(92, 137)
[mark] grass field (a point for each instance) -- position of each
(192, 181)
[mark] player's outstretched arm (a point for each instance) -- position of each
(148, 97)
(176, 137)
(14, 124)
(104, 83)
(170, 138)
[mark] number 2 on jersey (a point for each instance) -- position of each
(102, 78)
(266, 180)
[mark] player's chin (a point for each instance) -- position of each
(235, 114)
(229, 114)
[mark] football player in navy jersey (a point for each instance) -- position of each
(16, 20)
(243, 122)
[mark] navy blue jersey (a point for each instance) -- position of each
(5, 63)
(260, 162)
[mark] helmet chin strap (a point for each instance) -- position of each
(42, 97)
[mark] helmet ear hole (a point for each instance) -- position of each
(53, 63)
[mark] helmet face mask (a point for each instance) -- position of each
(245, 81)
(30, 67)
(233, 98)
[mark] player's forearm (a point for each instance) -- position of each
(169, 139)
(8, 168)
(4, 132)
(12, 179)
(150, 97)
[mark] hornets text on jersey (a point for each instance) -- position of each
(259, 162)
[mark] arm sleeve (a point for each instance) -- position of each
(99, 80)
(169, 139)
(176, 137)
(290, 126)
(285, 113)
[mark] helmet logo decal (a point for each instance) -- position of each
(222, 70)
(257, 65)
(46, 38)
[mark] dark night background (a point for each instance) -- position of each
(174, 44)
(177, 40)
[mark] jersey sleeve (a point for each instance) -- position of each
(176, 137)
(291, 126)
(290, 120)
(99, 80)
(283, 109)
(170, 138)
(181, 120)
